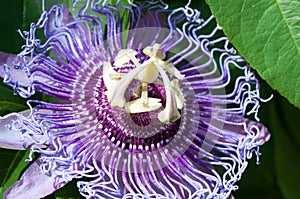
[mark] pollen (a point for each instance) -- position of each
(145, 73)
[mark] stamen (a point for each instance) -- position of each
(146, 73)
(178, 94)
(149, 74)
(109, 76)
(171, 69)
(170, 113)
(116, 76)
(143, 104)
(138, 106)
(154, 51)
(116, 95)
(144, 95)
(124, 56)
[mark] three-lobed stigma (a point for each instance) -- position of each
(147, 72)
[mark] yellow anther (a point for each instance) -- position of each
(138, 106)
(109, 76)
(149, 74)
(154, 51)
(124, 56)
(116, 76)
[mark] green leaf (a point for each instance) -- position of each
(32, 10)
(10, 102)
(124, 15)
(12, 166)
(267, 34)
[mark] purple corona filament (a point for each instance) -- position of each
(146, 108)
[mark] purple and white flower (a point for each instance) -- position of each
(146, 104)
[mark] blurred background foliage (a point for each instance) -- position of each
(276, 177)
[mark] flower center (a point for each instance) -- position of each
(146, 73)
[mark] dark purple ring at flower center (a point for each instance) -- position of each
(118, 133)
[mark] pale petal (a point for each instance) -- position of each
(13, 138)
(64, 17)
(239, 129)
(34, 184)
(11, 72)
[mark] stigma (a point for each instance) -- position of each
(148, 72)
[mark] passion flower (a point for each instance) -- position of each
(146, 106)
